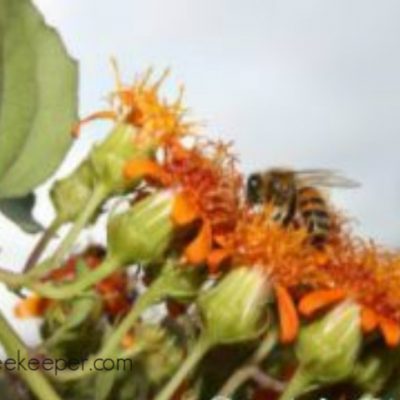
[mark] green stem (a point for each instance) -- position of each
(197, 353)
(16, 349)
(81, 284)
(146, 300)
(266, 346)
(99, 194)
(89, 367)
(113, 343)
(298, 385)
(247, 371)
(13, 280)
(42, 244)
(53, 339)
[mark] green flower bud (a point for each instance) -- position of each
(232, 311)
(327, 350)
(143, 233)
(108, 158)
(71, 194)
(235, 310)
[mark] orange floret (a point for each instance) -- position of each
(140, 104)
(347, 267)
(288, 318)
(207, 187)
(32, 306)
(369, 320)
(319, 300)
(390, 331)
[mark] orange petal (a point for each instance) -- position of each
(33, 306)
(288, 318)
(216, 258)
(369, 320)
(98, 115)
(198, 250)
(137, 169)
(390, 331)
(184, 210)
(320, 299)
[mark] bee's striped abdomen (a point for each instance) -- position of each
(314, 212)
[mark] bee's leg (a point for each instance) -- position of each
(290, 211)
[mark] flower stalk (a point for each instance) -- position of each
(175, 281)
(247, 372)
(327, 350)
(246, 290)
(202, 346)
(16, 349)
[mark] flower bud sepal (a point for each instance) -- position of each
(327, 350)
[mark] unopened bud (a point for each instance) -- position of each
(235, 310)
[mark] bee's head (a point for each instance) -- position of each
(279, 186)
(254, 190)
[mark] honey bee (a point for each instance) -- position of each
(295, 196)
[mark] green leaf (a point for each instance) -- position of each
(19, 210)
(18, 100)
(38, 101)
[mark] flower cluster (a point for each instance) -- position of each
(190, 240)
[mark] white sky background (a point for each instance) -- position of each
(306, 83)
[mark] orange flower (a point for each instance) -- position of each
(33, 306)
(207, 187)
(346, 268)
(140, 104)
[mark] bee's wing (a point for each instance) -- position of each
(325, 178)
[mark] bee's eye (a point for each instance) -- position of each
(254, 185)
(277, 186)
(254, 182)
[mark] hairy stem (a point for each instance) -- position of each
(99, 194)
(197, 353)
(250, 369)
(13, 280)
(113, 343)
(298, 385)
(42, 244)
(266, 346)
(250, 372)
(16, 349)
(81, 284)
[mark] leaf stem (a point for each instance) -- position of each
(197, 353)
(16, 349)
